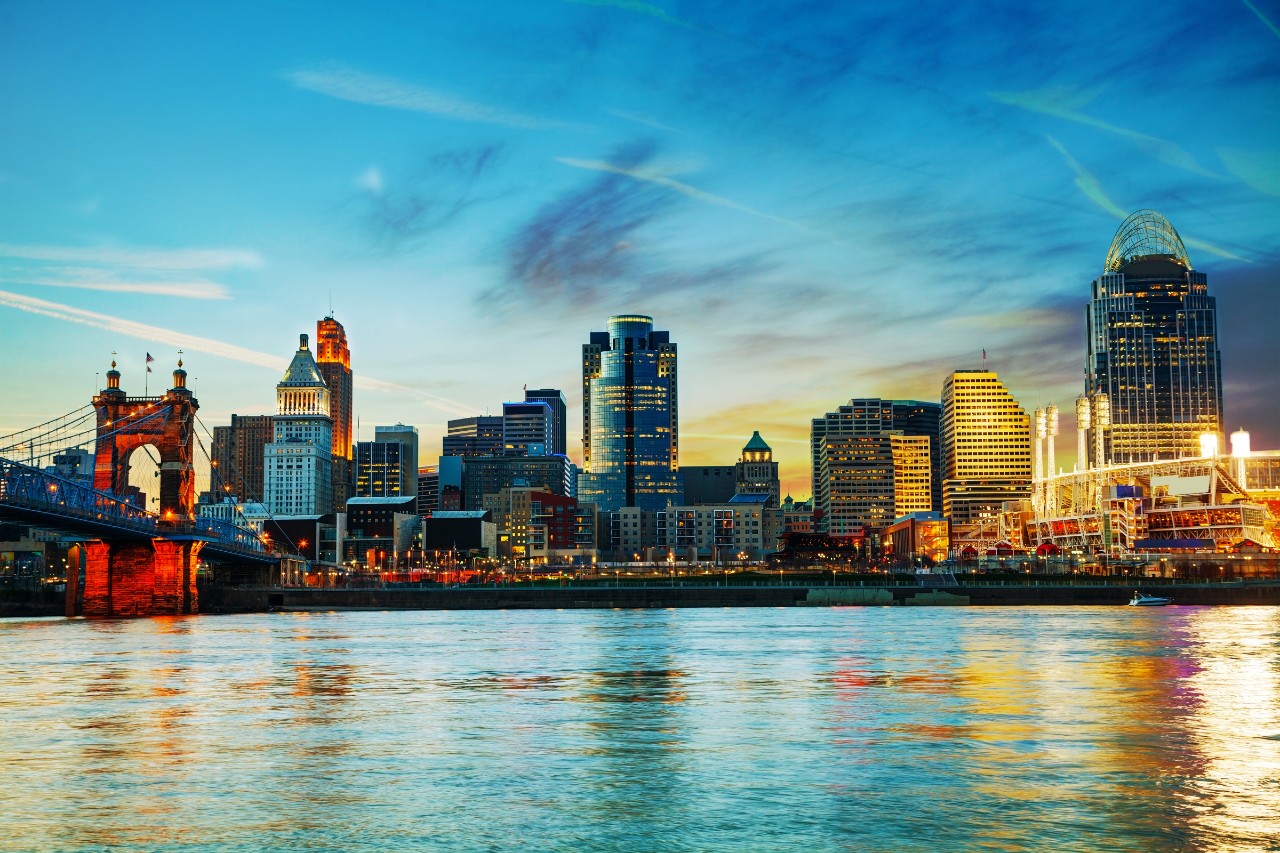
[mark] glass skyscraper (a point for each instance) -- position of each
(630, 433)
(1153, 345)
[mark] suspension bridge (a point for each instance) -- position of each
(137, 561)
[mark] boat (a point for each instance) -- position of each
(1143, 600)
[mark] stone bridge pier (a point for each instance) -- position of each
(156, 578)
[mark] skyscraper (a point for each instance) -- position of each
(528, 429)
(868, 481)
(237, 455)
(333, 359)
(477, 436)
(986, 447)
(387, 466)
(630, 433)
(756, 473)
(1153, 345)
(298, 463)
(554, 398)
(871, 416)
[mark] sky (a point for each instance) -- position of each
(818, 200)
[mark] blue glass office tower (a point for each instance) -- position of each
(630, 433)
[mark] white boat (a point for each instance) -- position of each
(1143, 600)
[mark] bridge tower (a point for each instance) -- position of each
(128, 578)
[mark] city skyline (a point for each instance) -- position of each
(870, 215)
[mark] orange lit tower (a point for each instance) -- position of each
(333, 358)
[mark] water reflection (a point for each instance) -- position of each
(964, 728)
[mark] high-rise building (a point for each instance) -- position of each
(870, 416)
(554, 398)
(488, 475)
(630, 419)
(428, 490)
(1153, 345)
(298, 463)
(868, 481)
(477, 436)
(756, 473)
(388, 465)
(333, 359)
(528, 429)
(237, 457)
(986, 447)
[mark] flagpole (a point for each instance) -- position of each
(146, 377)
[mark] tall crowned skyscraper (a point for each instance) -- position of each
(986, 448)
(333, 359)
(298, 463)
(630, 433)
(1153, 345)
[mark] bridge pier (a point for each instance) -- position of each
(125, 579)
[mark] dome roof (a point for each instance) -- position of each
(757, 443)
(1144, 234)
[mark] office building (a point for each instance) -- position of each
(708, 484)
(380, 532)
(871, 416)
(528, 429)
(868, 481)
(237, 456)
(475, 436)
(1153, 345)
(428, 489)
(298, 463)
(986, 448)
(756, 473)
(333, 360)
(554, 398)
(630, 419)
(488, 475)
(388, 465)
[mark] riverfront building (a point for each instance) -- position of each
(298, 463)
(630, 432)
(986, 449)
(1153, 345)
(868, 481)
(388, 465)
(872, 416)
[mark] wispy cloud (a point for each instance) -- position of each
(1255, 10)
(1089, 185)
(182, 289)
(196, 343)
(648, 9)
(654, 176)
(1061, 104)
(1258, 169)
(154, 259)
(376, 90)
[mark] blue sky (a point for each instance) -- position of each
(818, 200)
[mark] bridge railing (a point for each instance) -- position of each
(30, 488)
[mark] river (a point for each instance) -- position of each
(808, 729)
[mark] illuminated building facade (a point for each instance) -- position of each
(630, 433)
(986, 449)
(528, 429)
(756, 473)
(872, 416)
(298, 463)
(1153, 345)
(333, 359)
(477, 436)
(388, 465)
(867, 481)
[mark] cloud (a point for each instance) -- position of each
(1061, 104)
(183, 289)
(1255, 10)
(648, 9)
(428, 198)
(1090, 186)
(656, 177)
(370, 180)
(196, 343)
(376, 90)
(152, 259)
(1260, 170)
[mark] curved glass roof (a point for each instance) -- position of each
(1145, 233)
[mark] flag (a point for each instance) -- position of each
(149, 360)
(984, 355)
